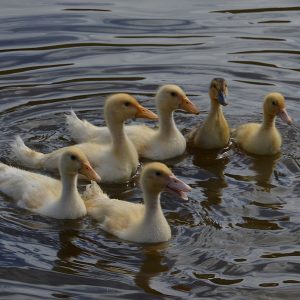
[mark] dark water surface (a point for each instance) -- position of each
(238, 236)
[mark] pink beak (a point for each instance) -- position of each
(177, 187)
(284, 116)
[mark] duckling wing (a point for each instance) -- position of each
(141, 136)
(38, 160)
(34, 159)
(115, 215)
(83, 131)
(31, 190)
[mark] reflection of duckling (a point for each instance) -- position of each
(264, 139)
(264, 167)
(142, 223)
(153, 265)
(48, 196)
(214, 133)
(162, 143)
(214, 162)
(115, 162)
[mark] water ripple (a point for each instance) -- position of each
(237, 236)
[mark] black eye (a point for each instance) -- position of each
(173, 94)
(127, 103)
(273, 102)
(157, 173)
(73, 157)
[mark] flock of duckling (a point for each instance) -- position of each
(113, 153)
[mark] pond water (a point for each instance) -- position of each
(238, 235)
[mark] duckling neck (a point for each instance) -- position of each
(215, 108)
(166, 123)
(69, 188)
(117, 132)
(269, 121)
(152, 206)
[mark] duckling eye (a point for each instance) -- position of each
(127, 103)
(157, 173)
(73, 157)
(173, 94)
(274, 103)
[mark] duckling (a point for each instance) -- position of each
(264, 139)
(156, 144)
(45, 195)
(116, 161)
(215, 132)
(141, 223)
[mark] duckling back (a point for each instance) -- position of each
(256, 139)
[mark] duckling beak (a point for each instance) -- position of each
(222, 98)
(284, 116)
(187, 105)
(143, 112)
(87, 170)
(177, 187)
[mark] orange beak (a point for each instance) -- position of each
(143, 112)
(87, 170)
(187, 105)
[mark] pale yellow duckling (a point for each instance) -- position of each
(142, 223)
(264, 139)
(214, 133)
(157, 144)
(116, 161)
(45, 195)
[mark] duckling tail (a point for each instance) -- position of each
(93, 191)
(93, 197)
(24, 154)
(80, 130)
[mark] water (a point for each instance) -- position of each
(238, 236)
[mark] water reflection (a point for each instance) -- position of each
(154, 264)
(213, 161)
(255, 168)
(67, 249)
(264, 169)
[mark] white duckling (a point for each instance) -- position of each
(215, 132)
(156, 144)
(264, 139)
(45, 195)
(142, 223)
(116, 161)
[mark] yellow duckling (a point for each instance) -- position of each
(116, 161)
(215, 132)
(264, 139)
(142, 223)
(157, 144)
(45, 195)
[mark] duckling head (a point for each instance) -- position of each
(74, 161)
(218, 91)
(171, 97)
(121, 107)
(157, 177)
(274, 105)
